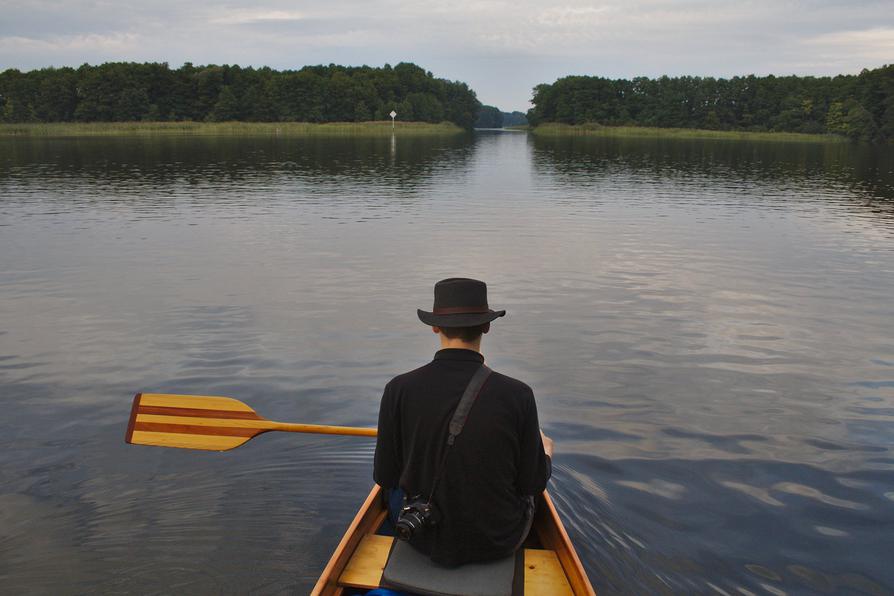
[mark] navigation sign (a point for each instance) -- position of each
(392, 114)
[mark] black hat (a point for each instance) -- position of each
(459, 302)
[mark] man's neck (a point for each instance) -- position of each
(456, 343)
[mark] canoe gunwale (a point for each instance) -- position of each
(553, 536)
(371, 514)
(547, 526)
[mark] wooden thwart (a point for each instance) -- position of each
(364, 569)
(544, 574)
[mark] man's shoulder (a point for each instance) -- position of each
(408, 378)
(508, 383)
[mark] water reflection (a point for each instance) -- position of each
(707, 327)
(866, 173)
(174, 159)
(381, 175)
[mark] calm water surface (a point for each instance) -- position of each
(708, 327)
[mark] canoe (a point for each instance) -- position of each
(552, 566)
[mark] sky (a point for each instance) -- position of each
(502, 49)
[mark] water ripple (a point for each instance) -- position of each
(707, 327)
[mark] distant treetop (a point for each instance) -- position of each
(858, 106)
(514, 119)
(489, 117)
(125, 91)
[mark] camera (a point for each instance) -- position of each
(414, 517)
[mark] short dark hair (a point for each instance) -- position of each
(465, 333)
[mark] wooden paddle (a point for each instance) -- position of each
(210, 423)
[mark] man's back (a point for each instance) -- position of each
(496, 461)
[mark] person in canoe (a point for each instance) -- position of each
(461, 485)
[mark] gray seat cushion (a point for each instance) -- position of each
(409, 570)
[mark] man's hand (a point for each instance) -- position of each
(547, 444)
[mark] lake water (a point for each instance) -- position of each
(708, 327)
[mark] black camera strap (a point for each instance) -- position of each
(460, 415)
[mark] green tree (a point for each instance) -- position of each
(257, 103)
(514, 119)
(361, 112)
(154, 114)
(405, 111)
(859, 123)
(426, 107)
(206, 84)
(489, 117)
(133, 104)
(17, 111)
(226, 108)
(56, 97)
(339, 101)
(836, 119)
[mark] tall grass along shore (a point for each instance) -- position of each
(592, 129)
(81, 129)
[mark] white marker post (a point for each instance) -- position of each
(392, 114)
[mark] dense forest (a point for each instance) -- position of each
(514, 119)
(123, 91)
(858, 106)
(492, 117)
(489, 117)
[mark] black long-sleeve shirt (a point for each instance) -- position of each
(496, 461)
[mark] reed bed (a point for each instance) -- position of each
(81, 129)
(679, 133)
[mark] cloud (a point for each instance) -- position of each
(244, 16)
(873, 46)
(88, 43)
(501, 48)
(571, 15)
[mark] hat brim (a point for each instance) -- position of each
(463, 320)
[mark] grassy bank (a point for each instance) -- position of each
(81, 129)
(553, 129)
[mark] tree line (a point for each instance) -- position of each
(492, 117)
(858, 106)
(126, 91)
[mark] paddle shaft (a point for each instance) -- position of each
(323, 429)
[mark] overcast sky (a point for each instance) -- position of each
(501, 48)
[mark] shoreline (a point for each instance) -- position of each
(558, 130)
(235, 128)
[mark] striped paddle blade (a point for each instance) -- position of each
(192, 422)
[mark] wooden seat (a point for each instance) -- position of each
(543, 571)
(364, 570)
(544, 574)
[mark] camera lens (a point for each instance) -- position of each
(404, 532)
(410, 521)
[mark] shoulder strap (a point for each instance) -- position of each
(459, 418)
(467, 401)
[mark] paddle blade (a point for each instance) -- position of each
(192, 422)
